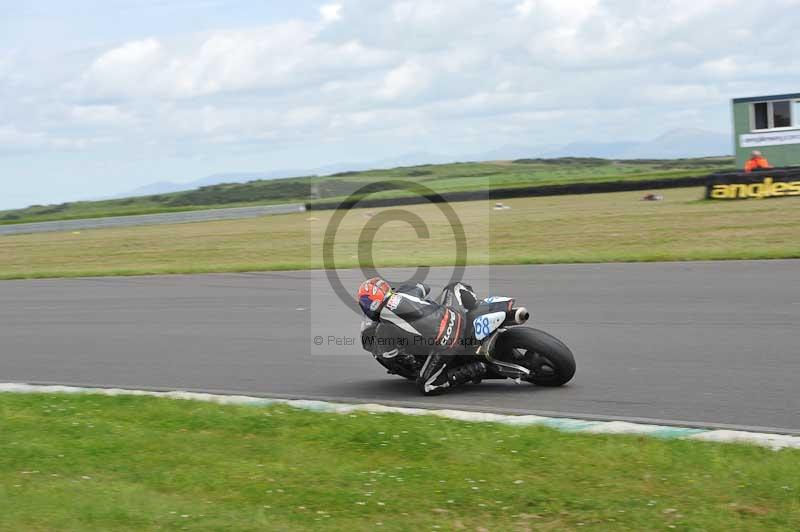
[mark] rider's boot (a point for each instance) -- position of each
(472, 371)
(439, 374)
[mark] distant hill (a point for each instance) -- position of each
(677, 143)
(261, 188)
(674, 144)
(166, 187)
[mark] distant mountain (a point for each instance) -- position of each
(509, 152)
(684, 143)
(674, 144)
(160, 187)
(165, 187)
(244, 177)
(605, 150)
(413, 159)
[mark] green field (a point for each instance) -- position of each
(440, 178)
(135, 463)
(582, 228)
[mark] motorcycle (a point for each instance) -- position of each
(496, 335)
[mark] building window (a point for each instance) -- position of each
(760, 116)
(775, 115)
(782, 114)
(796, 113)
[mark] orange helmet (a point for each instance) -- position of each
(371, 295)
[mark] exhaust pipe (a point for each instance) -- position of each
(517, 316)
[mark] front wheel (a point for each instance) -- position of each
(550, 361)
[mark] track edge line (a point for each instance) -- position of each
(717, 435)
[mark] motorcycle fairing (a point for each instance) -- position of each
(496, 299)
(486, 324)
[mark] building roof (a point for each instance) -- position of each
(794, 96)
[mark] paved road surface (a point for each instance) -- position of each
(698, 343)
(234, 213)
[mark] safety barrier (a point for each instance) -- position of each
(773, 183)
(521, 192)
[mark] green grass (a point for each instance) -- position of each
(135, 463)
(442, 178)
(585, 228)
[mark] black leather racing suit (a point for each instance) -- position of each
(411, 325)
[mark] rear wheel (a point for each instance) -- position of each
(550, 361)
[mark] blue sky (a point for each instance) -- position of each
(102, 97)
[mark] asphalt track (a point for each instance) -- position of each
(234, 213)
(703, 343)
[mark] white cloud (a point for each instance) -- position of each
(418, 12)
(15, 140)
(331, 12)
(101, 115)
(304, 116)
(568, 12)
(681, 93)
(429, 49)
(525, 7)
(280, 56)
(444, 73)
(724, 67)
(6, 62)
(128, 67)
(408, 79)
(449, 66)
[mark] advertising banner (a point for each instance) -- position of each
(771, 138)
(757, 185)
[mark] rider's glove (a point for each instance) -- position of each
(426, 290)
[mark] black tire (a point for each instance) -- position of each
(550, 361)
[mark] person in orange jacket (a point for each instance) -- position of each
(756, 162)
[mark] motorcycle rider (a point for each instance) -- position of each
(403, 322)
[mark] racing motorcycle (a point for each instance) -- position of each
(496, 336)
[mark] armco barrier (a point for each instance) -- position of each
(522, 192)
(774, 183)
(150, 219)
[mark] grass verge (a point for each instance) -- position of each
(586, 228)
(136, 463)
